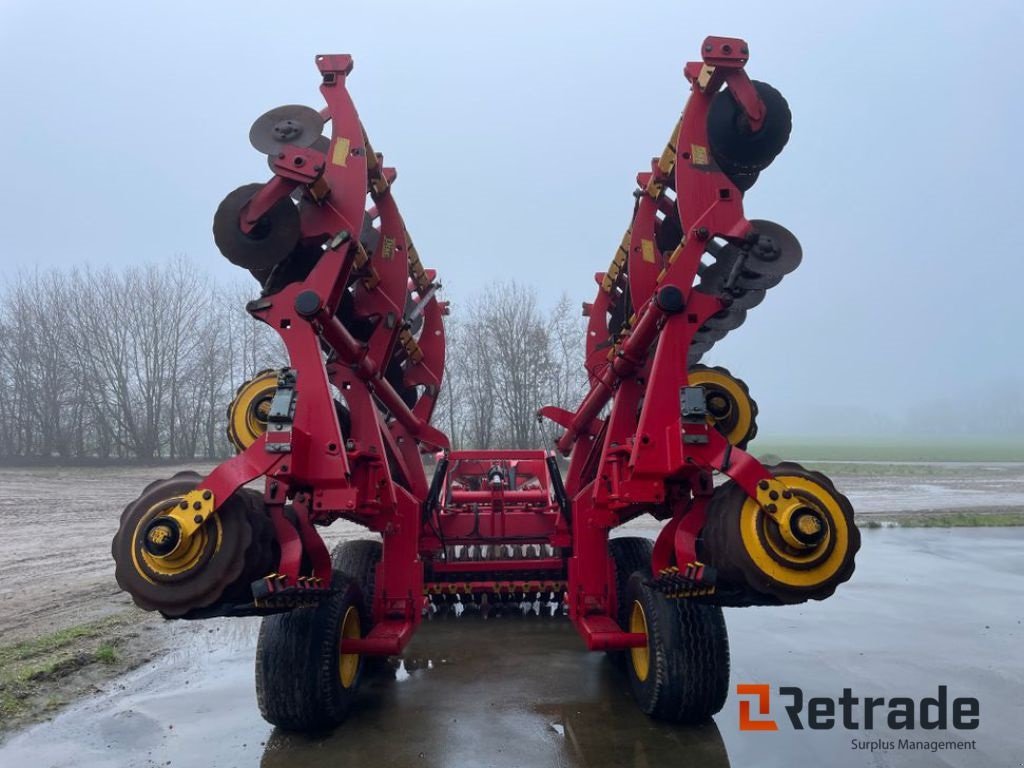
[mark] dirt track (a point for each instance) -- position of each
(55, 566)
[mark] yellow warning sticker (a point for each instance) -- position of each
(340, 154)
(648, 250)
(699, 154)
(388, 252)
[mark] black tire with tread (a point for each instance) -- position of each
(358, 560)
(628, 554)
(737, 149)
(688, 646)
(298, 686)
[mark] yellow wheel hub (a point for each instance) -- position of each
(188, 554)
(639, 655)
(247, 414)
(730, 409)
(348, 663)
(812, 508)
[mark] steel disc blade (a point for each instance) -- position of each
(694, 355)
(747, 281)
(292, 124)
(726, 320)
(710, 334)
(746, 299)
(697, 350)
(714, 281)
(322, 144)
(775, 252)
(274, 237)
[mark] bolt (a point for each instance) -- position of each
(787, 494)
(774, 495)
(727, 48)
(207, 495)
(197, 519)
(771, 509)
(708, 48)
(197, 505)
(763, 485)
(184, 505)
(703, 233)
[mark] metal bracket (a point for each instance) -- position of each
(282, 414)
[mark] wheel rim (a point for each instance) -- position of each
(248, 411)
(639, 655)
(195, 552)
(730, 408)
(806, 568)
(348, 663)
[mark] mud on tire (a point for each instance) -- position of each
(687, 671)
(299, 676)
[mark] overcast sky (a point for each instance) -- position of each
(518, 129)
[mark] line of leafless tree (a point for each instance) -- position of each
(139, 364)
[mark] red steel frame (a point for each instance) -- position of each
(627, 464)
(641, 457)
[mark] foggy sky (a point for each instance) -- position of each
(518, 129)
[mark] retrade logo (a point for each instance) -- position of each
(762, 694)
(906, 713)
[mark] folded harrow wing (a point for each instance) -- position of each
(339, 432)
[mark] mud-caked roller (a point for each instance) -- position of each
(339, 431)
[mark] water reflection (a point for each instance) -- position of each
(514, 692)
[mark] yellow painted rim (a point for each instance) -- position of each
(740, 400)
(249, 409)
(184, 557)
(348, 663)
(639, 655)
(812, 494)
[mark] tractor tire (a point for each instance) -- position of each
(358, 560)
(628, 554)
(682, 674)
(303, 682)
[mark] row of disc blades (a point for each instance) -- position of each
(741, 275)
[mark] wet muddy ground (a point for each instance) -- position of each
(926, 607)
(55, 567)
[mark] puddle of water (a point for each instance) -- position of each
(522, 690)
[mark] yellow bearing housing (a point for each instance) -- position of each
(247, 414)
(192, 551)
